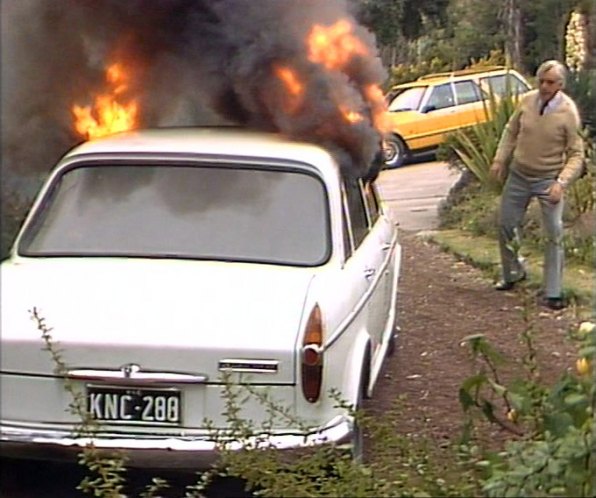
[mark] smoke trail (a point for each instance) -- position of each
(194, 62)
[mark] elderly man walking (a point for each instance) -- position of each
(540, 154)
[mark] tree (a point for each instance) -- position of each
(396, 22)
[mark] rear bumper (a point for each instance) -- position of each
(197, 451)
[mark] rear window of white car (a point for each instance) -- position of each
(277, 216)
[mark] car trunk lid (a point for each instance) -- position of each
(164, 316)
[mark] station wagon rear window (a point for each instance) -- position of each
(278, 216)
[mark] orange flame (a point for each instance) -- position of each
(293, 85)
(290, 79)
(335, 45)
(350, 115)
(374, 95)
(107, 114)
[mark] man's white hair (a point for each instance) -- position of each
(558, 67)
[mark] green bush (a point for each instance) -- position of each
(471, 208)
(552, 454)
(474, 148)
(404, 73)
(581, 86)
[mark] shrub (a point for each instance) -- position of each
(475, 147)
(494, 58)
(581, 86)
(552, 455)
(404, 73)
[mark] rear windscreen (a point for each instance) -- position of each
(220, 213)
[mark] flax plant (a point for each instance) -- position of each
(476, 146)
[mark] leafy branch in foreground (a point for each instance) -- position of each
(553, 454)
(107, 469)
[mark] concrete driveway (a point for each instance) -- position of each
(413, 193)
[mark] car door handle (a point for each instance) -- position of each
(369, 273)
(386, 247)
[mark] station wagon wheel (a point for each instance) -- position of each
(394, 151)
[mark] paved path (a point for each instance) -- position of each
(413, 193)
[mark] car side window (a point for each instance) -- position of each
(357, 211)
(466, 92)
(500, 84)
(517, 85)
(406, 99)
(441, 97)
(345, 229)
(372, 203)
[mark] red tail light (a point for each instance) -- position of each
(312, 356)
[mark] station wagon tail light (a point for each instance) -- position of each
(312, 356)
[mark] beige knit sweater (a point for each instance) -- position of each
(543, 146)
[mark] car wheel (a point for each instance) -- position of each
(357, 433)
(394, 152)
(392, 341)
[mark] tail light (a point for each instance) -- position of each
(312, 356)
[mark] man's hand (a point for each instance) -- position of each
(498, 171)
(555, 193)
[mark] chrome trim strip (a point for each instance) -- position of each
(122, 376)
(190, 446)
(360, 304)
(248, 365)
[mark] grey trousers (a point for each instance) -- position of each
(517, 193)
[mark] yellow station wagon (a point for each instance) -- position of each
(421, 113)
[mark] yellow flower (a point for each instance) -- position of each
(512, 415)
(583, 366)
(585, 328)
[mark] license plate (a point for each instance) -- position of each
(134, 405)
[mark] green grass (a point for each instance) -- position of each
(483, 252)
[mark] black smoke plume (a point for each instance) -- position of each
(194, 62)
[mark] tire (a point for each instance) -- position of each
(395, 152)
(357, 445)
(392, 340)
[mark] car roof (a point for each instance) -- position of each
(207, 141)
(434, 78)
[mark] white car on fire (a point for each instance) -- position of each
(168, 260)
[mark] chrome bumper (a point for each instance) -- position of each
(154, 450)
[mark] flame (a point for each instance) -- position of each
(374, 95)
(290, 79)
(292, 84)
(107, 115)
(116, 76)
(334, 46)
(350, 115)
